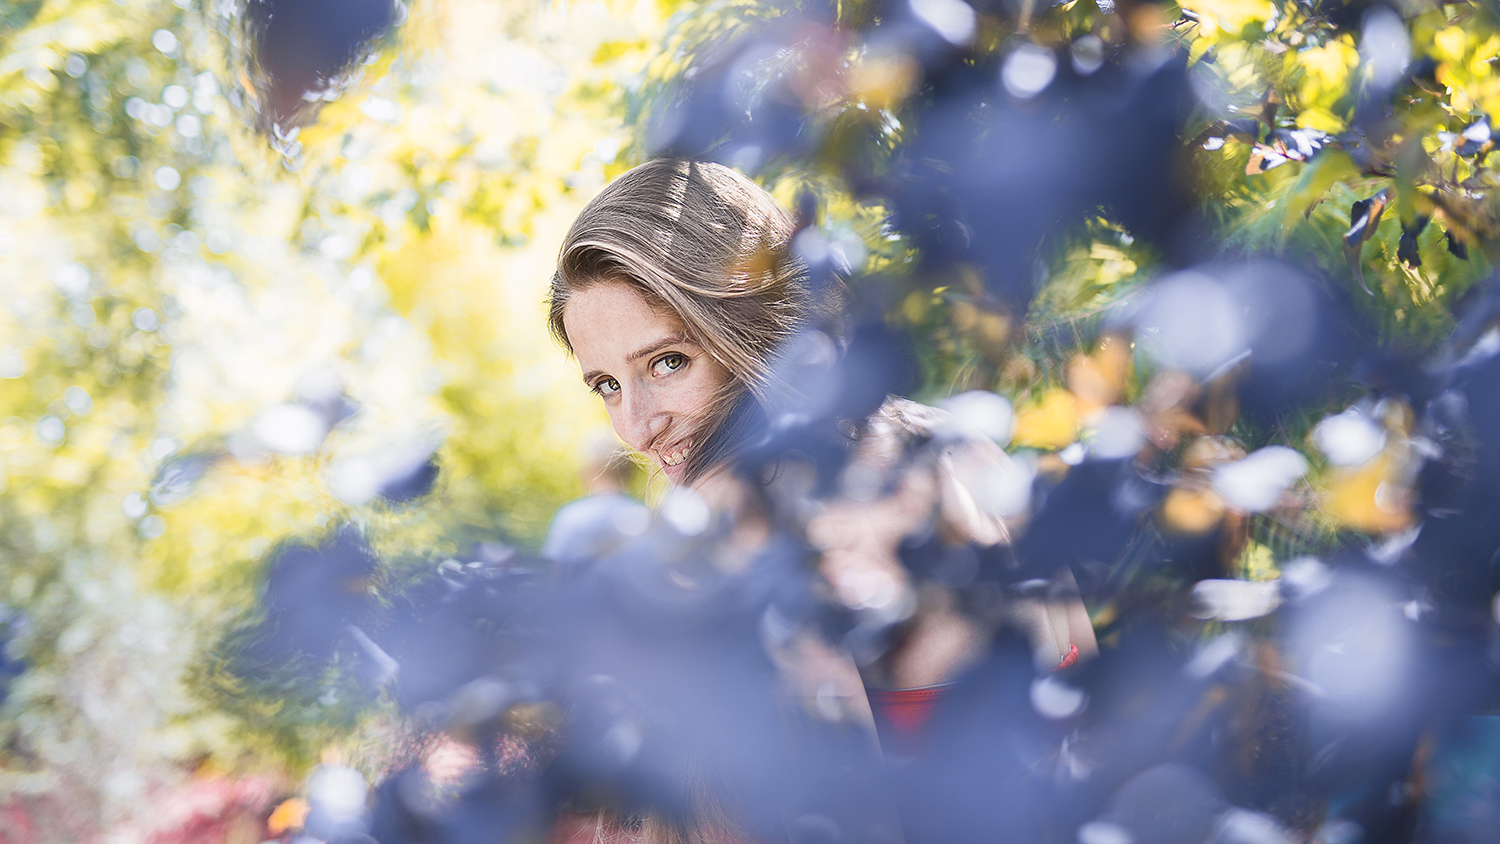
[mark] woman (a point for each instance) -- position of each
(676, 289)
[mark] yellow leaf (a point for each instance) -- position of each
(1257, 562)
(1490, 48)
(1368, 498)
(1191, 511)
(884, 82)
(1050, 423)
(1326, 71)
(1321, 119)
(1480, 67)
(1449, 43)
(1231, 15)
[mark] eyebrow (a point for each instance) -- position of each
(645, 351)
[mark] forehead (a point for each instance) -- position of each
(607, 321)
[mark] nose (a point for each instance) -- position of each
(639, 418)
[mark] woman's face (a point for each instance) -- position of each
(656, 384)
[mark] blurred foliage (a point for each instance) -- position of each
(1261, 73)
(191, 306)
(1350, 140)
(1245, 248)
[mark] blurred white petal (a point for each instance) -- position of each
(1305, 576)
(955, 20)
(1235, 600)
(1256, 483)
(1349, 438)
(686, 511)
(981, 413)
(290, 429)
(1055, 699)
(1241, 826)
(340, 792)
(1118, 432)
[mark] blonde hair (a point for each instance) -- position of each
(711, 247)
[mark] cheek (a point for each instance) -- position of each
(616, 422)
(705, 388)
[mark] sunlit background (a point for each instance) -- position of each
(212, 341)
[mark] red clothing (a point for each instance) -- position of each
(1070, 658)
(901, 715)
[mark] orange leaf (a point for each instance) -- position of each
(1050, 423)
(289, 816)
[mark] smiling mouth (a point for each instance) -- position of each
(675, 455)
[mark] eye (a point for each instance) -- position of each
(667, 364)
(606, 386)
